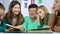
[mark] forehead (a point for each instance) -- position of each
(17, 5)
(40, 9)
(32, 9)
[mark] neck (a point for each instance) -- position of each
(14, 16)
(33, 19)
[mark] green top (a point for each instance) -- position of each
(42, 24)
(28, 24)
(3, 26)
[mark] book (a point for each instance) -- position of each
(40, 30)
(9, 25)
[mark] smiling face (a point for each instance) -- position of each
(57, 4)
(32, 12)
(16, 9)
(2, 14)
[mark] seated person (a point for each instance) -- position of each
(54, 21)
(31, 20)
(14, 17)
(2, 19)
(43, 17)
(38, 17)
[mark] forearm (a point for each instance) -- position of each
(20, 27)
(51, 21)
(57, 28)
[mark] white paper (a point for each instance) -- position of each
(9, 25)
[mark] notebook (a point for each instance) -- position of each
(40, 30)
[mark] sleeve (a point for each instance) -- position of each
(25, 23)
(48, 16)
(3, 27)
(51, 21)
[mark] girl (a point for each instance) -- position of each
(2, 19)
(43, 17)
(14, 16)
(54, 21)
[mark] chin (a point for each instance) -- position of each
(1, 19)
(32, 16)
(16, 14)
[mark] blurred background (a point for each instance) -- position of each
(26, 3)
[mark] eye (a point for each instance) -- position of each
(56, 1)
(40, 12)
(18, 7)
(15, 7)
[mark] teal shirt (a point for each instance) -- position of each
(28, 24)
(3, 26)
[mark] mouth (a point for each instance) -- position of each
(32, 13)
(16, 12)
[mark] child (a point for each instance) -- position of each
(14, 17)
(54, 21)
(31, 20)
(42, 16)
(2, 19)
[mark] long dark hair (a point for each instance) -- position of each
(9, 16)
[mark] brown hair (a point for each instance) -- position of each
(1, 6)
(32, 6)
(9, 16)
(46, 13)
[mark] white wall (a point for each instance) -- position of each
(24, 11)
(47, 3)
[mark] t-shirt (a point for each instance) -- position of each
(28, 24)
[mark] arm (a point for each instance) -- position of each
(23, 26)
(51, 21)
(3, 27)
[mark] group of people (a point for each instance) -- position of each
(13, 20)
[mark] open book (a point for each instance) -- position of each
(40, 30)
(9, 25)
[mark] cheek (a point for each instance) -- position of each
(1, 17)
(42, 13)
(56, 5)
(15, 11)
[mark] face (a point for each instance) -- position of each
(16, 9)
(40, 12)
(57, 4)
(32, 12)
(2, 14)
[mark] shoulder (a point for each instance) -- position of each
(4, 20)
(48, 16)
(26, 17)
